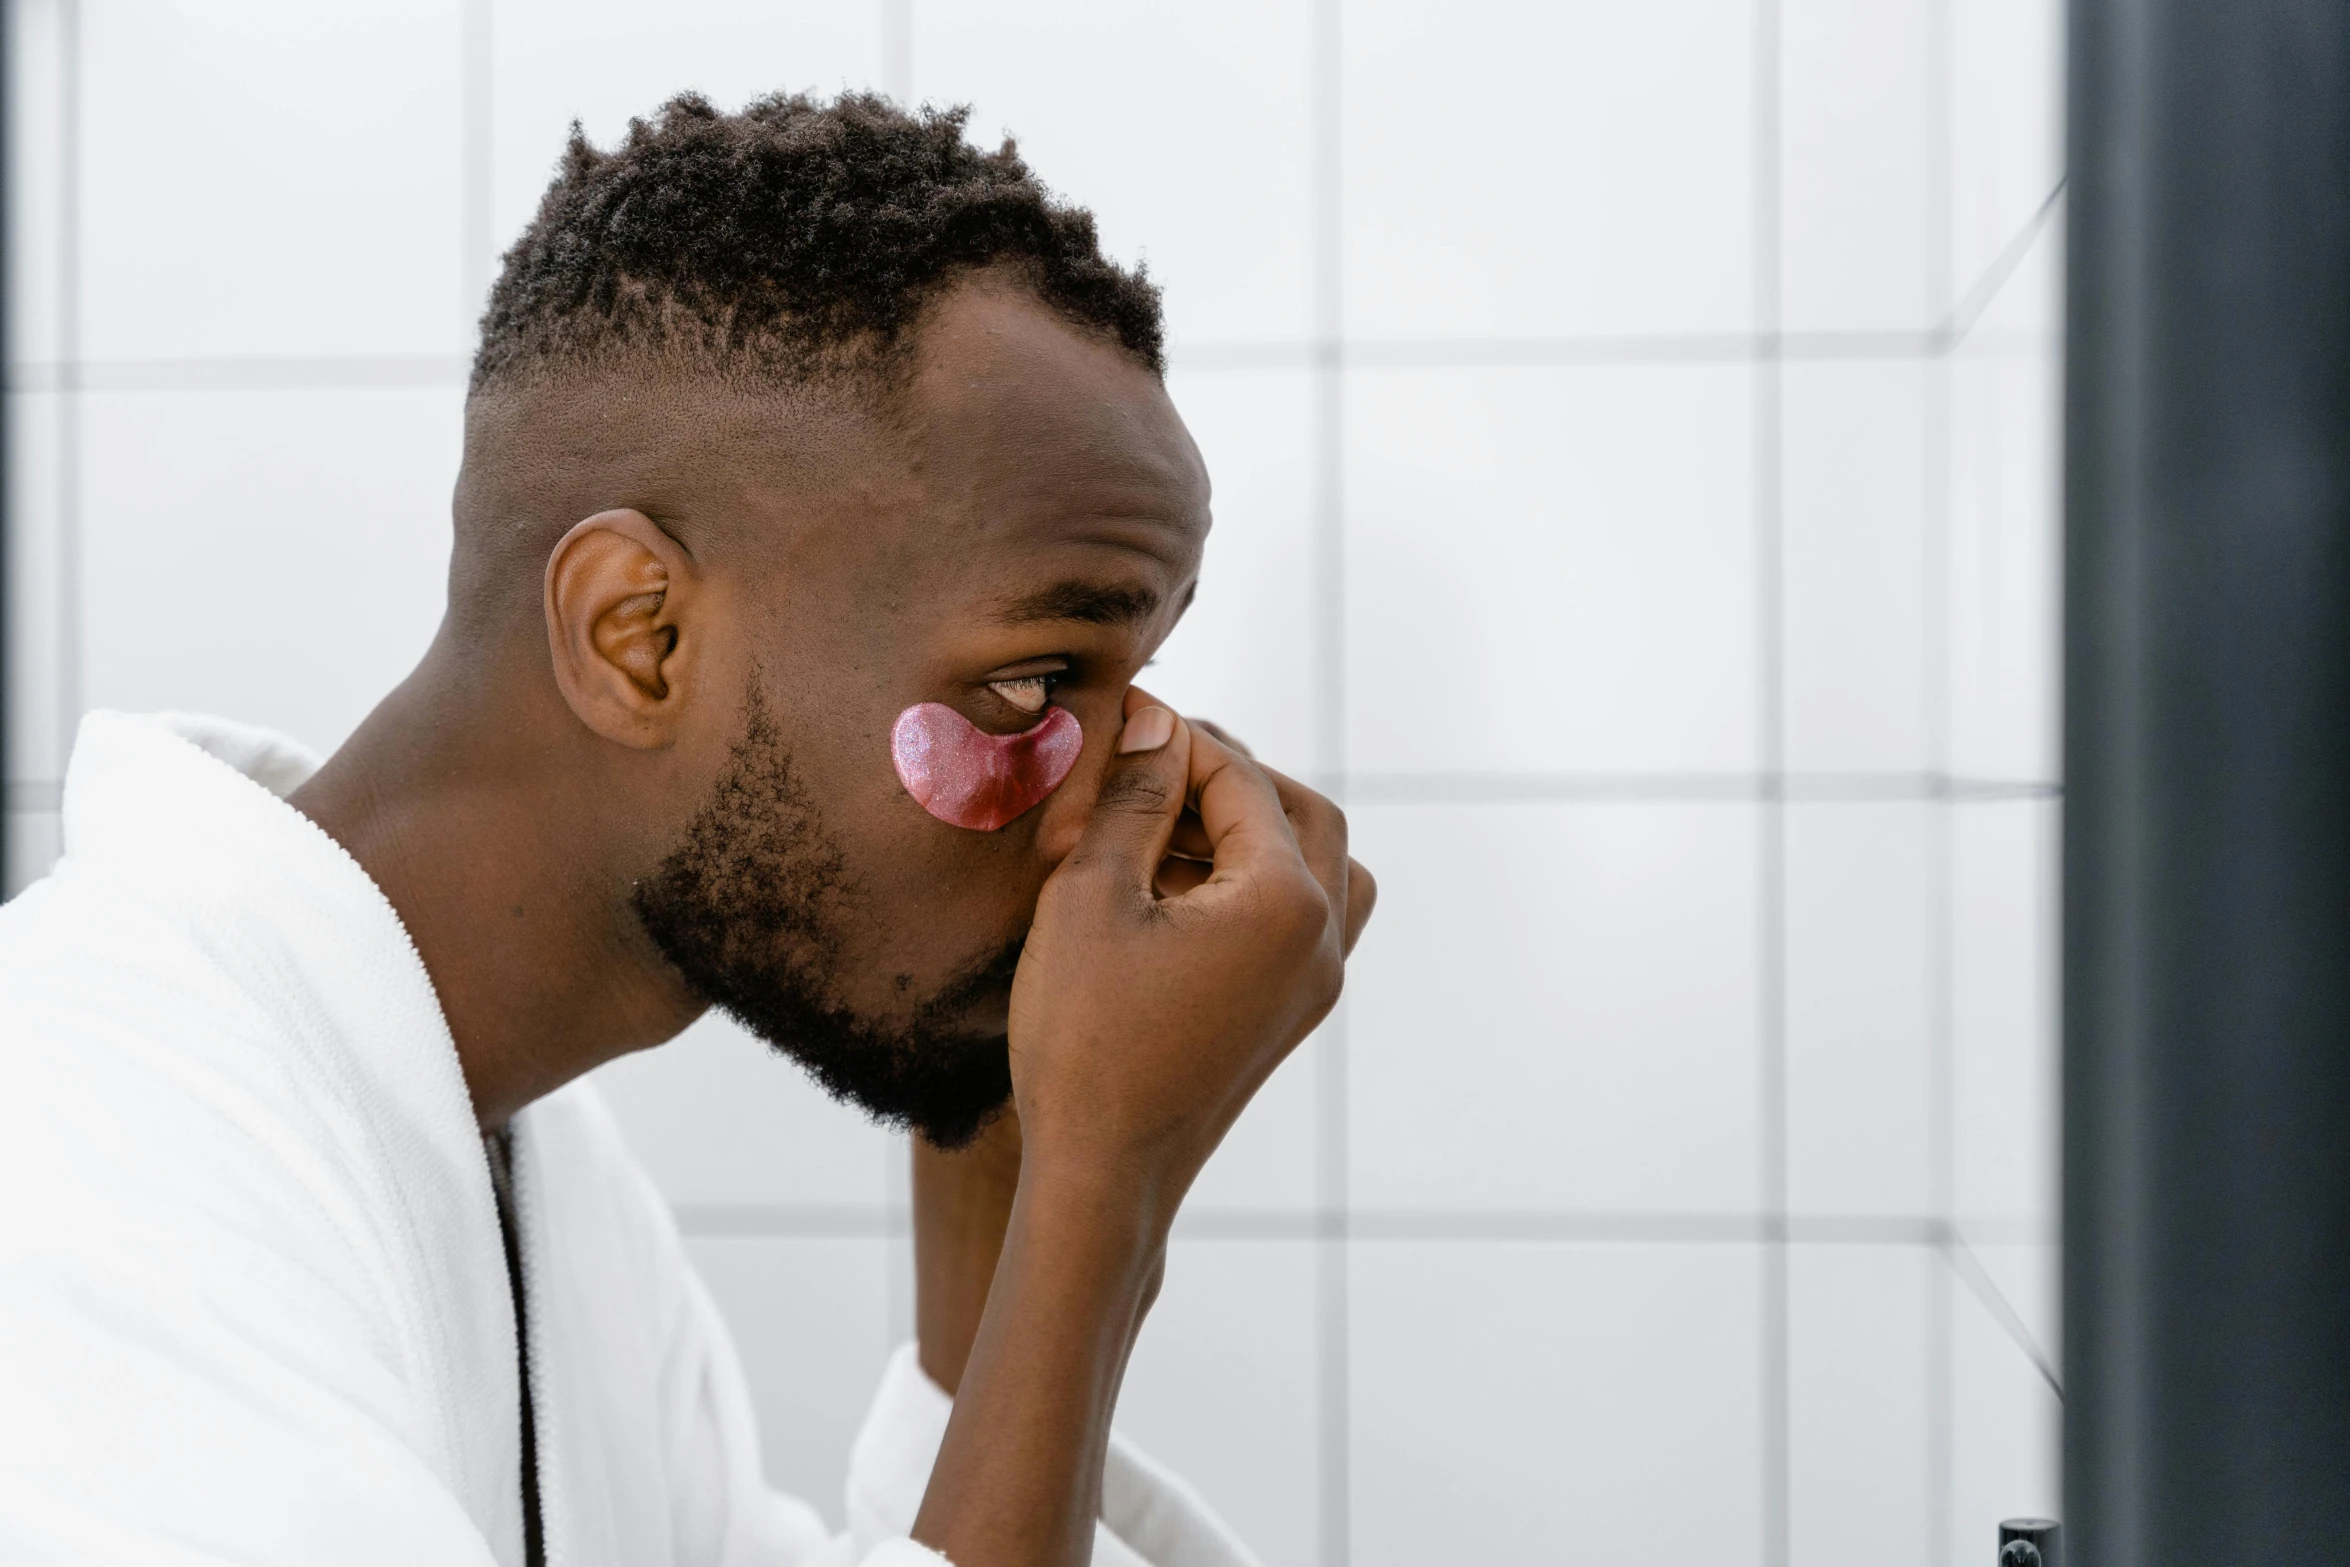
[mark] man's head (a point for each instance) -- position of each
(784, 422)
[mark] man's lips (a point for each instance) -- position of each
(967, 777)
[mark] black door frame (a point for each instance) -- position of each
(2207, 779)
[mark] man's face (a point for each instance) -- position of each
(1036, 531)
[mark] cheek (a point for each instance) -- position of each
(967, 777)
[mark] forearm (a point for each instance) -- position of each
(1018, 1477)
(1142, 1017)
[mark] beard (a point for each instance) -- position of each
(753, 906)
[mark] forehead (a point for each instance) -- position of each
(1030, 438)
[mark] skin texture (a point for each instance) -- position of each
(967, 777)
(635, 552)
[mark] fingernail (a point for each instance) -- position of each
(1146, 731)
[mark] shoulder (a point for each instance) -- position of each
(201, 1326)
(161, 1145)
(129, 1059)
(127, 1044)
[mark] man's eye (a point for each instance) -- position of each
(1028, 693)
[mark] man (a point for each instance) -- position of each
(799, 441)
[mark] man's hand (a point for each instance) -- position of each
(1196, 933)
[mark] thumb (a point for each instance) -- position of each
(1140, 799)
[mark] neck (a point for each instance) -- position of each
(480, 820)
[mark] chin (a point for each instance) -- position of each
(974, 1008)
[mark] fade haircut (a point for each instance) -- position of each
(793, 240)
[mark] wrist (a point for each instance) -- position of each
(1087, 1243)
(1100, 1201)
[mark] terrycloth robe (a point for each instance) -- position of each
(254, 1303)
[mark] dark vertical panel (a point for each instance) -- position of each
(2207, 833)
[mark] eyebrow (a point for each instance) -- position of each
(1094, 603)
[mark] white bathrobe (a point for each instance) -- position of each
(254, 1304)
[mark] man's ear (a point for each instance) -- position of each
(619, 594)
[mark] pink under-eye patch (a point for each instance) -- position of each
(967, 777)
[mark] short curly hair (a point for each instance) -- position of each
(791, 239)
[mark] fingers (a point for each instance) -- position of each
(1141, 796)
(1239, 811)
(1227, 826)
(1227, 736)
(1179, 876)
(1320, 827)
(1191, 839)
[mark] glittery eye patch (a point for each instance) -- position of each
(967, 777)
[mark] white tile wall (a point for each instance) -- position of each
(1519, 1402)
(1484, 196)
(1183, 124)
(2028, 1277)
(1858, 183)
(2006, 64)
(722, 1122)
(1860, 998)
(32, 845)
(280, 556)
(810, 1323)
(1230, 1349)
(2005, 1102)
(1861, 1415)
(1244, 654)
(269, 178)
(1555, 1008)
(1268, 1161)
(36, 610)
(2022, 306)
(1691, 684)
(2004, 582)
(1856, 625)
(2005, 1427)
(1550, 570)
(37, 33)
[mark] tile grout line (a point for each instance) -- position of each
(1959, 323)
(1769, 500)
(69, 411)
(891, 1215)
(1765, 786)
(1968, 1269)
(304, 372)
(896, 25)
(1334, 1502)
(477, 150)
(1410, 789)
(1941, 963)
(340, 371)
(1940, 1367)
(11, 198)
(1965, 1266)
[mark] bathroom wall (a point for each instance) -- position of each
(1634, 447)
